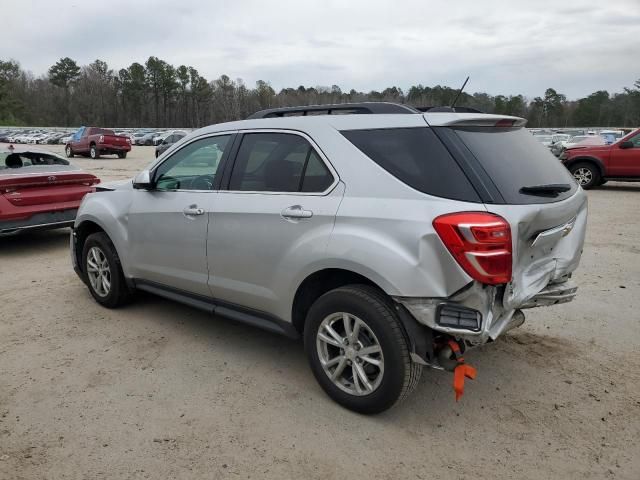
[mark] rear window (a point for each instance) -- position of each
(29, 159)
(513, 159)
(416, 157)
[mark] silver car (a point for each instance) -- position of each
(387, 238)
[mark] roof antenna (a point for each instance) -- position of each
(459, 92)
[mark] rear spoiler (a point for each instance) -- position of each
(450, 119)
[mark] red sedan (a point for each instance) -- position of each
(39, 190)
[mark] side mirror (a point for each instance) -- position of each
(142, 181)
(627, 144)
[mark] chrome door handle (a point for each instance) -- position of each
(193, 210)
(296, 211)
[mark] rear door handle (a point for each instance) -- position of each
(296, 211)
(193, 210)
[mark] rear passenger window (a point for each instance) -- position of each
(416, 157)
(278, 162)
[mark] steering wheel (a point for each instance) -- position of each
(203, 182)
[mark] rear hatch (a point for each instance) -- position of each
(45, 185)
(519, 179)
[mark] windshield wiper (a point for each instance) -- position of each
(550, 190)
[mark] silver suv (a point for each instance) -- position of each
(388, 238)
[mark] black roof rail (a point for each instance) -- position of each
(450, 109)
(338, 108)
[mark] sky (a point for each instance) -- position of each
(507, 47)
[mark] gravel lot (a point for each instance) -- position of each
(159, 390)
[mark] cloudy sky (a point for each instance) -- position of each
(506, 47)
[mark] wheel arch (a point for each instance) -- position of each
(81, 233)
(317, 284)
(588, 159)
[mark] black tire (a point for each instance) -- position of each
(122, 154)
(119, 293)
(586, 174)
(602, 181)
(68, 151)
(94, 152)
(372, 307)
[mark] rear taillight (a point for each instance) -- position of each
(480, 242)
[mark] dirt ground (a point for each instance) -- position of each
(159, 390)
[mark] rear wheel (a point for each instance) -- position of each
(122, 154)
(102, 269)
(94, 152)
(586, 174)
(358, 351)
(68, 152)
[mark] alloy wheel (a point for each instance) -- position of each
(350, 354)
(583, 176)
(98, 271)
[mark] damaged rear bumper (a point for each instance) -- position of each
(477, 315)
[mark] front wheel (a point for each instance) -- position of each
(586, 174)
(94, 152)
(358, 351)
(122, 154)
(68, 151)
(103, 272)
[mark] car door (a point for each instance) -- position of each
(276, 215)
(168, 224)
(625, 162)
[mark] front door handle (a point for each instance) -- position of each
(193, 210)
(296, 211)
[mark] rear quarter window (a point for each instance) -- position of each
(416, 157)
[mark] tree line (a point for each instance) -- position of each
(158, 94)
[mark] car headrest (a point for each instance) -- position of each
(13, 160)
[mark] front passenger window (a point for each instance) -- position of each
(193, 167)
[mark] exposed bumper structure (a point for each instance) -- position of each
(477, 315)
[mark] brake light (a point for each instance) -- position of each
(505, 122)
(480, 242)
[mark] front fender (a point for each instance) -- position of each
(109, 210)
(586, 158)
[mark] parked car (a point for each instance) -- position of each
(611, 136)
(147, 139)
(97, 141)
(545, 140)
(168, 141)
(159, 136)
(388, 242)
(595, 164)
(39, 190)
(557, 141)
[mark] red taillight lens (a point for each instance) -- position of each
(480, 243)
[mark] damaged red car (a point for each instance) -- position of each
(39, 190)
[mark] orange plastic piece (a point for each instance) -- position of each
(460, 372)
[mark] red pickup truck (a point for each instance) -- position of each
(594, 165)
(93, 141)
